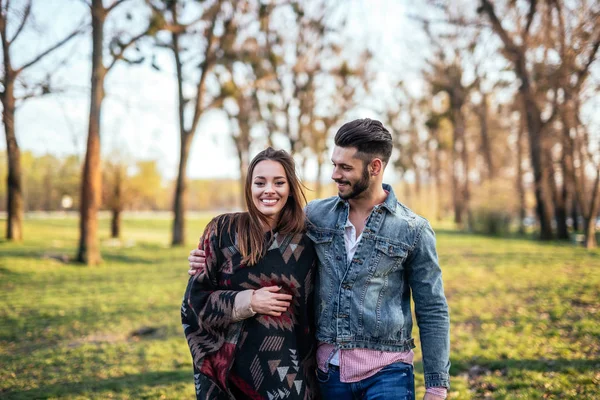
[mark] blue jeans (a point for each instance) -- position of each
(396, 381)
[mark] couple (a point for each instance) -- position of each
(248, 312)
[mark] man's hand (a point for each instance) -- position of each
(267, 301)
(430, 396)
(197, 261)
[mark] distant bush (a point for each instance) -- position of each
(492, 222)
(494, 205)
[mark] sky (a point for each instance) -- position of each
(139, 114)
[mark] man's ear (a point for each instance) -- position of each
(376, 167)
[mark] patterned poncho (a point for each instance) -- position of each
(262, 357)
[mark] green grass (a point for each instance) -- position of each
(525, 316)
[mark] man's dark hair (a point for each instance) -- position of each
(369, 136)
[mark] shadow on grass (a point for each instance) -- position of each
(90, 385)
(68, 257)
(21, 252)
(539, 365)
(127, 259)
(528, 237)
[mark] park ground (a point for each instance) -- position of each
(525, 316)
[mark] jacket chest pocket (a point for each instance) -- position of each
(388, 257)
(323, 241)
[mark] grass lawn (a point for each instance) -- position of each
(525, 316)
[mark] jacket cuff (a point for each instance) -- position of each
(242, 308)
(437, 380)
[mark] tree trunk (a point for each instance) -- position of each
(180, 191)
(456, 192)
(117, 201)
(461, 191)
(91, 185)
(567, 163)
(560, 212)
(437, 174)
(243, 163)
(467, 185)
(560, 207)
(540, 177)
(574, 213)
(485, 137)
(115, 226)
(590, 233)
(318, 183)
(48, 180)
(590, 220)
(14, 207)
(520, 184)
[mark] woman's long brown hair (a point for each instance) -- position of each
(250, 225)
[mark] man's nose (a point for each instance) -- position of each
(335, 175)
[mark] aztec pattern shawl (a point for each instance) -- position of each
(262, 357)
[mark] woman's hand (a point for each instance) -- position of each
(267, 301)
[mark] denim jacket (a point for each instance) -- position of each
(366, 304)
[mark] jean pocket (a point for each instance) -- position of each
(322, 376)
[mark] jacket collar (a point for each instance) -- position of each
(389, 204)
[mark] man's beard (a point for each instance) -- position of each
(359, 187)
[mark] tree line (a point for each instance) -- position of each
(494, 126)
(506, 103)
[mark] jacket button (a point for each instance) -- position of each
(338, 258)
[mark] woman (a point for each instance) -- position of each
(248, 315)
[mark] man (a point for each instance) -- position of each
(373, 252)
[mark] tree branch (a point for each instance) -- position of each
(124, 47)
(87, 3)
(582, 73)
(208, 61)
(555, 107)
(116, 4)
(50, 50)
(512, 49)
(451, 21)
(530, 15)
(34, 94)
(23, 21)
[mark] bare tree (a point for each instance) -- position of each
(578, 43)
(520, 185)
(13, 22)
(404, 117)
(115, 193)
(91, 185)
(435, 153)
(243, 113)
(216, 27)
(328, 108)
(516, 52)
(296, 43)
(447, 76)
